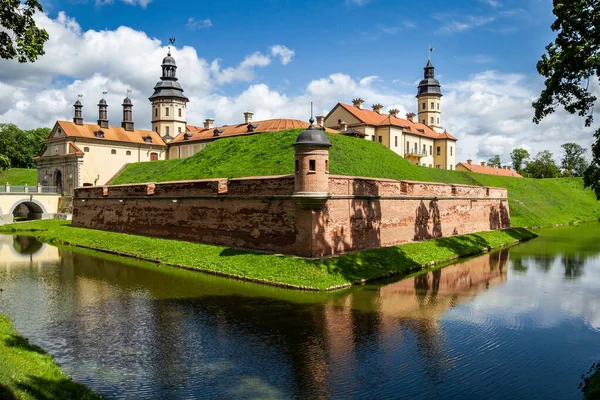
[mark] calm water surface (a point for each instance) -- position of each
(520, 323)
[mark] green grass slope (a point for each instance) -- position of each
(19, 176)
(533, 202)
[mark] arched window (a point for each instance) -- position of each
(166, 129)
(113, 151)
(179, 129)
(167, 111)
(156, 112)
(86, 149)
(128, 152)
(180, 112)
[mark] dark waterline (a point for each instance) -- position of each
(522, 322)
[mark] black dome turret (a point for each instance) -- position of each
(312, 137)
(168, 87)
(429, 85)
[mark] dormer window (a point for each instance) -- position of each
(99, 134)
(251, 127)
(187, 136)
(147, 139)
(217, 132)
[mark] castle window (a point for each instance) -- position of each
(432, 106)
(373, 138)
(153, 156)
(167, 129)
(407, 147)
(128, 153)
(439, 150)
(56, 149)
(156, 112)
(380, 139)
(179, 111)
(430, 151)
(438, 167)
(179, 129)
(450, 150)
(113, 151)
(424, 106)
(438, 121)
(424, 122)
(339, 121)
(167, 111)
(424, 149)
(431, 120)
(297, 167)
(395, 141)
(326, 166)
(86, 149)
(312, 165)
(156, 129)
(438, 106)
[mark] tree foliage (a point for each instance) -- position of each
(569, 64)
(20, 38)
(573, 162)
(519, 157)
(542, 166)
(20, 146)
(495, 160)
(4, 162)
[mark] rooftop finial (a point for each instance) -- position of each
(103, 93)
(128, 92)
(311, 120)
(80, 95)
(429, 53)
(172, 41)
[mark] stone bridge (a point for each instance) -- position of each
(42, 202)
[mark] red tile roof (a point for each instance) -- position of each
(195, 133)
(489, 170)
(113, 133)
(373, 118)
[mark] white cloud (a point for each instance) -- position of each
(358, 3)
(284, 54)
(141, 3)
(463, 24)
(194, 24)
(492, 3)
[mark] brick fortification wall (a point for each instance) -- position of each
(262, 213)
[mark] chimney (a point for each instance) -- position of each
(394, 112)
(411, 116)
(483, 163)
(127, 123)
(469, 162)
(343, 126)
(358, 103)
(377, 108)
(508, 167)
(248, 117)
(209, 123)
(78, 119)
(103, 114)
(320, 120)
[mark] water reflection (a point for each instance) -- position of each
(138, 330)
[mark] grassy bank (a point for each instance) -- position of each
(19, 176)
(274, 269)
(591, 383)
(533, 202)
(27, 372)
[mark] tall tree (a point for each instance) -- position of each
(20, 37)
(543, 166)
(573, 162)
(22, 146)
(571, 60)
(495, 160)
(519, 156)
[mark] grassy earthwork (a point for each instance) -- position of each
(274, 269)
(27, 372)
(19, 176)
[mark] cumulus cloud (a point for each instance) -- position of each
(284, 54)
(490, 112)
(194, 24)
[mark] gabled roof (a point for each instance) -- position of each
(370, 117)
(489, 170)
(196, 133)
(112, 133)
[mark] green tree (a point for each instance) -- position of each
(21, 38)
(495, 160)
(4, 162)
(543, 166)
(571, 60)
(519, 157)
(573, 162)
(19, 146)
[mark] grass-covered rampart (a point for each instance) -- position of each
(273, 269)
(533, 202)
(27, 372)
(19, 176)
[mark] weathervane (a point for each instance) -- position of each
(103, 93)
(172, 41)
(429, 53)
(128, 92)
(311, 120)
(80, 95)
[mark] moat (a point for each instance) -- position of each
(522, 322)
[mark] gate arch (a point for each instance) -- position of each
(34, 206)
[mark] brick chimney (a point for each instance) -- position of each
(469, 162)
(127, 122)
(320, 120)
(78, 119)
(248, 117)
(483, 163)
(343, 126)
(103, 114)
(209, 123)
(377, 108)
(508, 167)
(358, 103)
(411, 116)
(394, 112)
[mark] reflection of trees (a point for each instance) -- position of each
(573, 264)
(518, 265)
(26, 244)
(544, 261)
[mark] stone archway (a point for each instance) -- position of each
(57, 180)
(35, 208)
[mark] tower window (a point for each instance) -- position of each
(424, 106)
(166, 129)
(113, 151)
(167, 111)
(432, 105)
(179, 111)
(86, 149)
(156, 112)
(407, 146)
(297, 167)
(156, 129)
(128, 153)
(424, 122)
(439, 150)
(395, 141)
(431, 119)
(326, 165)
(430, 151)
(380, 139)
(179, 129)
(312, 165)
(438, 121)
(438, 106)
(450, 150)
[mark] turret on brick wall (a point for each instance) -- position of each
(311, 169)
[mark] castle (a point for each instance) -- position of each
(81, 154)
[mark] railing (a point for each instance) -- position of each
(27, 189)
(416, 153)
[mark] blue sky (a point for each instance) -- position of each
(274, 57)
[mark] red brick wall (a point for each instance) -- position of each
(260, 213)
